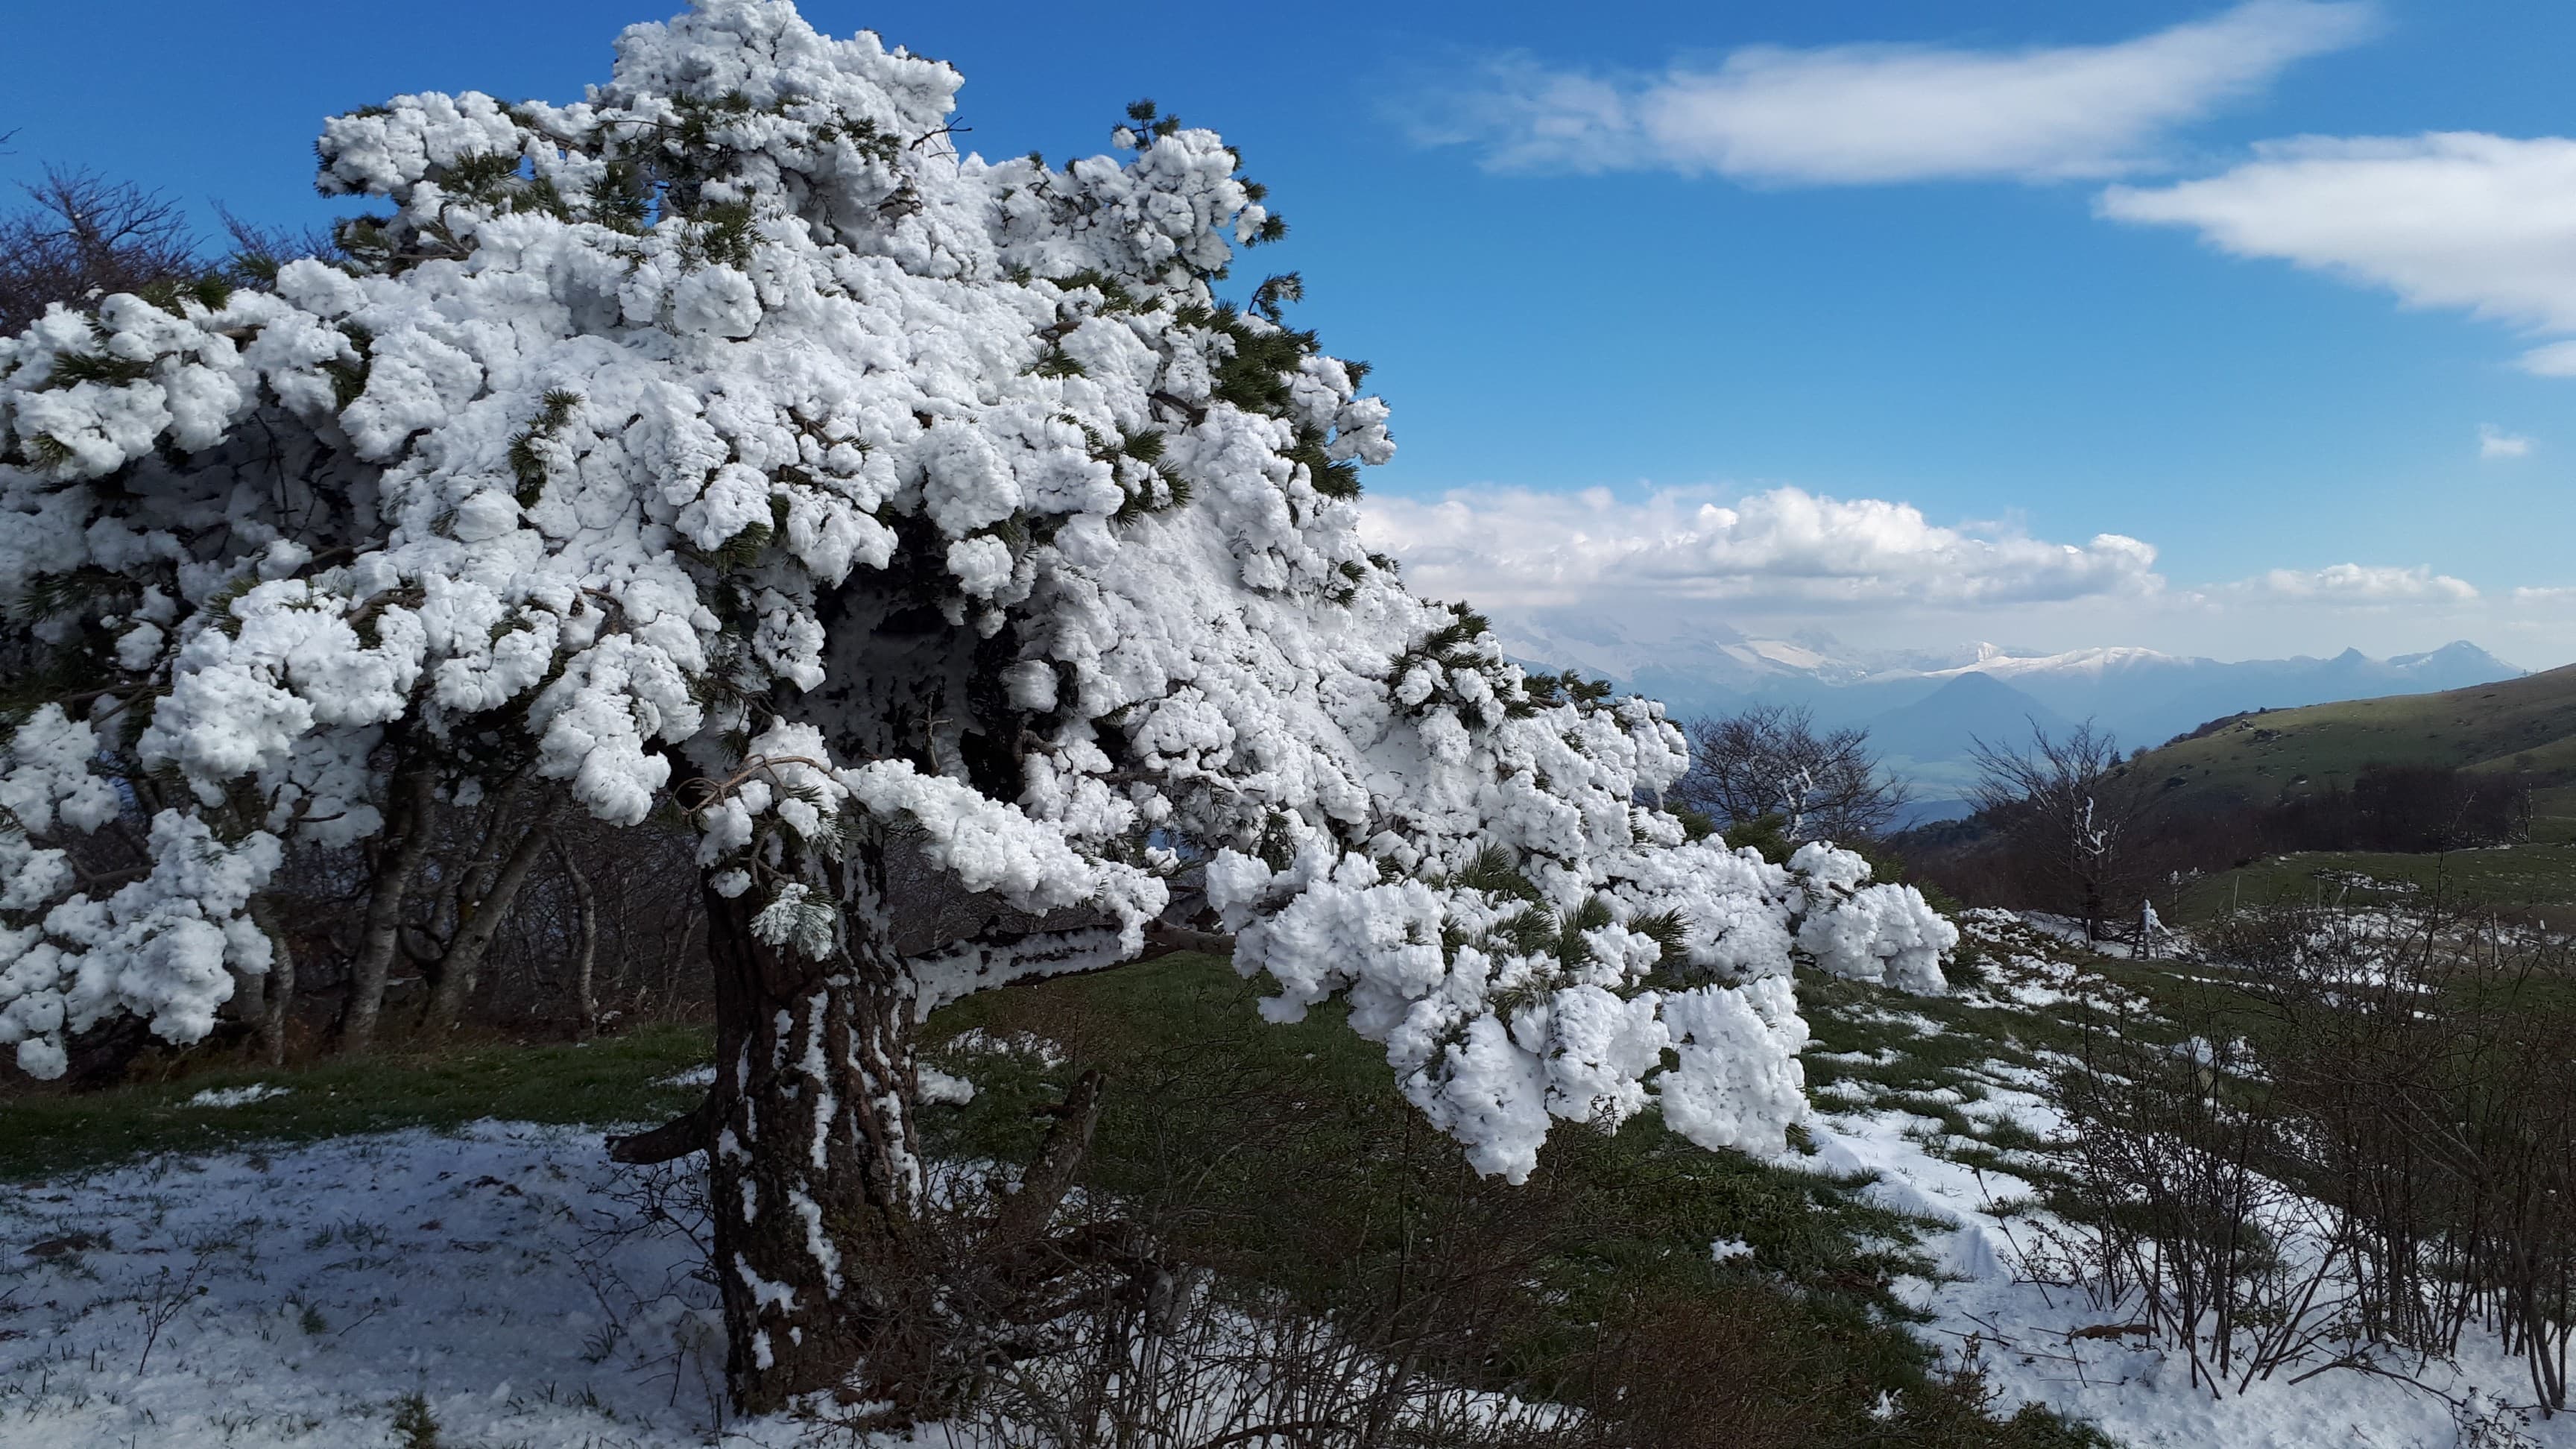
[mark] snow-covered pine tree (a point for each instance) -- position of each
(724, 442)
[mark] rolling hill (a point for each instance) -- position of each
(2515, 724)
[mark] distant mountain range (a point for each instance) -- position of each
(1923, 708)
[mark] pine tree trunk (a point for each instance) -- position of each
(836, 1275)
(815, 1181)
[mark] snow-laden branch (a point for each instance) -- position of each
(702, 444)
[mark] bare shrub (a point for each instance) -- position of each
(2180, 1222)
(1222, 1369)
(2427, 1057)
(2379, 1163)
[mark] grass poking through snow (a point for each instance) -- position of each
(612, 1080)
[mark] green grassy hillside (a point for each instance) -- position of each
(2535, 882)
(2517, 724)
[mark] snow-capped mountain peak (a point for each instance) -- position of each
(2143, 696)
(2094, 662)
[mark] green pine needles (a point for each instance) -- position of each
(528, 449)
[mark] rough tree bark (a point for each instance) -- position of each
(815, 1183)
(834, 1275)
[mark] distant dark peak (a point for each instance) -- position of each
(2350, 656)
(1976, 687)
(1941, 724)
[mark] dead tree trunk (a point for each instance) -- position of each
(585, 959)
(416, 805)
(281, 982)
(482, 921)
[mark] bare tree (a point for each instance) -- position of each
(258, 251)
(1770, 760)
(2071, 807)
(82, 236)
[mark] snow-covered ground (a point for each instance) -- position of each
(297, 1297)
(2030, 1338)
(2027, 1336)
(505, 1280)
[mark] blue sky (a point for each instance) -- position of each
(1839, 308)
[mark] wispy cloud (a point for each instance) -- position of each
(2453, 219)
(1781, 548)
(2558, 359)
(1864, 114)
(2352, 583)
(2494, 442)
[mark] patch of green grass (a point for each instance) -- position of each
(607, 1081)
(2553, 814)
(1870, 1042)
(2508, 877)
(1285, 1158)
(1938, 1057)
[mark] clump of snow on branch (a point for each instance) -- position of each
(726, 439)
(1870, 933)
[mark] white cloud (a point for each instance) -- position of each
(2558, 359)
(1786, 548)
(1693, 564)
(2493, 442)
(2451, 219)
(2351, 583)
(1861, 114)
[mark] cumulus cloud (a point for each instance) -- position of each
(1786, 548)
(2494, 442)
(1862, 114)
(1690, 565)
(2452, 219)
(2352, 583)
